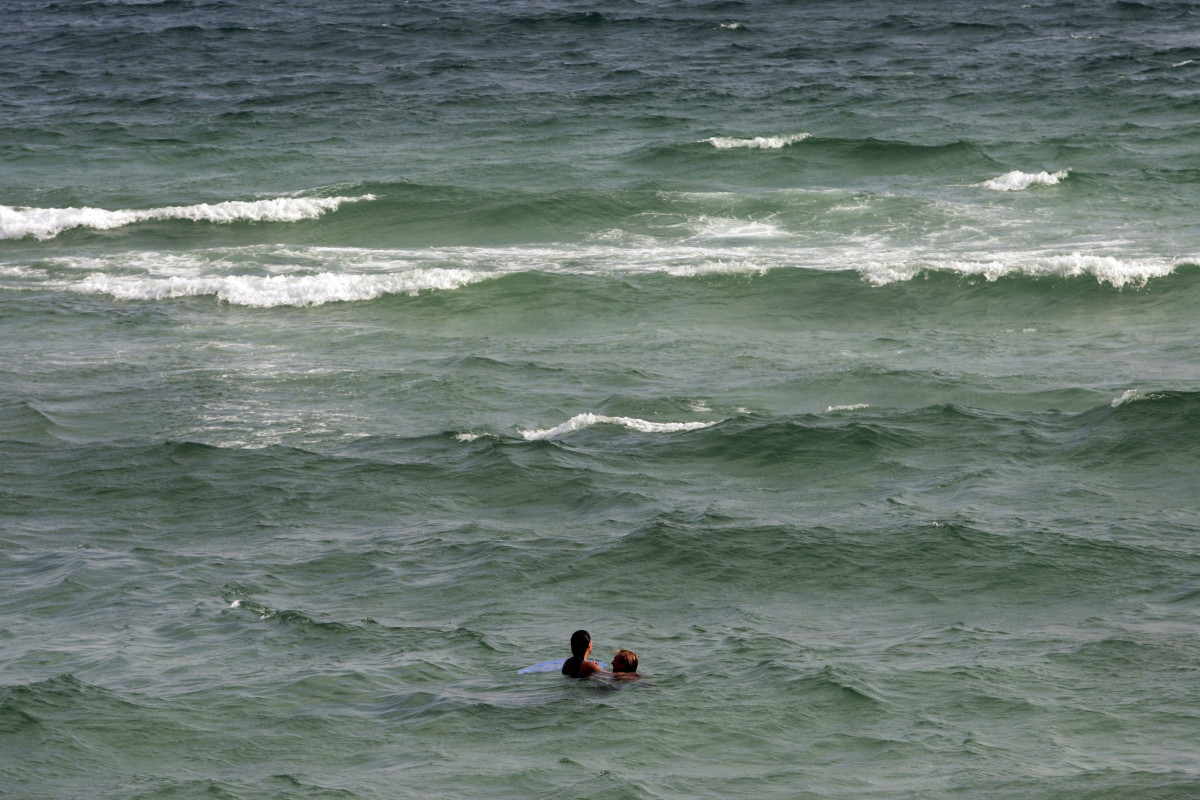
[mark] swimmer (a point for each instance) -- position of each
(624, 666)
(578, 666)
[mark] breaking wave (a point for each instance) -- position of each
(1016, 180)
(46, 223)
(757, 142)
(1117, 272)
(277, 290)
(581, 421)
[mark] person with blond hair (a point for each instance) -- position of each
(624, 665)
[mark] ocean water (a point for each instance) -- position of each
(837, 358)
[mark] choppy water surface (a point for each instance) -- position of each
(836, 358)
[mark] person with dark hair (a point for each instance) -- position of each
(578, 665)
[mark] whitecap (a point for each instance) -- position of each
(1131, 396)
(851, 407)
(1016, 180)
(581, 421)
(757, 142)
(1117, 272)
(46, 223)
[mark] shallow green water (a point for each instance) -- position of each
(838, 361)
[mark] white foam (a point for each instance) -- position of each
(757, 142)
(46, 223)
(581, 421)
(276, 290)
(1016, 180)
(851, 407)
(467, 437)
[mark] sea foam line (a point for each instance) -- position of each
(1016, 180)
(46, 223)
(757, 142)
(581, 421)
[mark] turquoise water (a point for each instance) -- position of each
(838, 359)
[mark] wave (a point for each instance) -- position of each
(582, 421)
(1111, 270)
(277, 290)
(1133, 396)
(757, 142)
(1016, 180)
(47, 223)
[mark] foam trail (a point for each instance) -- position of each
(277, 290)
(1016, 180)
(581, 421)
(758, 142)
(46, 223)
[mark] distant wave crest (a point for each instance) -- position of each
(581, 421)
(1016, 180)
(1132, 396)
(757, 142)
(46, 223)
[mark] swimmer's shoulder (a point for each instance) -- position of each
(590, 668)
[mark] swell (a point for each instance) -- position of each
(1135, 427)
(893, 454)
(804, 157)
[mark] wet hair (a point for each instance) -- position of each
(579, 643)
(624, 661)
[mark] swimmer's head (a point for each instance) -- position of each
(580, 640)
(624, 661)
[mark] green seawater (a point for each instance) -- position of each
(838, 359)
